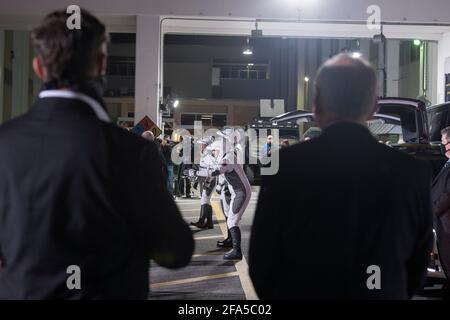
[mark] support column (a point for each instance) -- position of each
(392, 67)
(432, 71)
(443, 56)
(20, 72)
(301, 72)
(148, 68)
(313, 53)
(291, 101)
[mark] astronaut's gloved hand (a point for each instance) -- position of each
(218, 189)
(189, 173)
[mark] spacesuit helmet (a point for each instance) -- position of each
(206, 140)
(232, 139)
(216, 148)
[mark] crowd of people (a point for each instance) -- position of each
(77, 190)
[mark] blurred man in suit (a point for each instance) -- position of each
(441, 205)
(355, 217)
(83, 203)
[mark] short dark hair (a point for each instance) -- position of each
(445, 131)
(346, 86)
(67, 55)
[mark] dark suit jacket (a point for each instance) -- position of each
(75, 190)
(440, 195)
(339, 204)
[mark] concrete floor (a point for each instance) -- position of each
(208, 276)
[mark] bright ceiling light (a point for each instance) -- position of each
(306, 79)
(417, 42)
(251, 64)
(248, 50)
(176, 103)
(356, 55)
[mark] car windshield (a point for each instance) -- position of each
(386, 129)
(408, 120)
(392, 124)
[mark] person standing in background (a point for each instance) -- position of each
(166, 147)
(267, 148)
(148, 135)
(358, 211)
(440, 195)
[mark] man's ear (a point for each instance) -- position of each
(103, 64)
(375, 109)
(38, 68)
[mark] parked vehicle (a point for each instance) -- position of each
(438, 118)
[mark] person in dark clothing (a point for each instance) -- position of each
(441, 205)
(166, 147)
(79, 196)
(184, 185)
(148, 135)
(358, 224)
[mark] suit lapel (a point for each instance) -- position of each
(445, 168)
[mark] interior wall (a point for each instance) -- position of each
(239, 113)
(409, 83)
(189, 80)
(443, 55)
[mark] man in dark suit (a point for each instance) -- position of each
(345, 217)
(440, 195)
(83, 203)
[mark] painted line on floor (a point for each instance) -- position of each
(209, 237)
(195, 217)
(208, 254)
(193, 280)
(241, 266)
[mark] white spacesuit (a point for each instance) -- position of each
(225, 200)
(207, 161)
(228, 154)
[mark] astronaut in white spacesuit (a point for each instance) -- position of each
(228, 152)
(207, 161)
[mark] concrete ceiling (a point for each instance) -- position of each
(352, 10)
(338, 18)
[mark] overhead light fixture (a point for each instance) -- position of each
(417, 42)
(251, 64)
(356, 55)
(176, 103)
(248, 50)
(306, 79)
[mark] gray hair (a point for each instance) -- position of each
(148, 135)
(445, 132)
(346, 87)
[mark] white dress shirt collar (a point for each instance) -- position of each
(96, 107)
